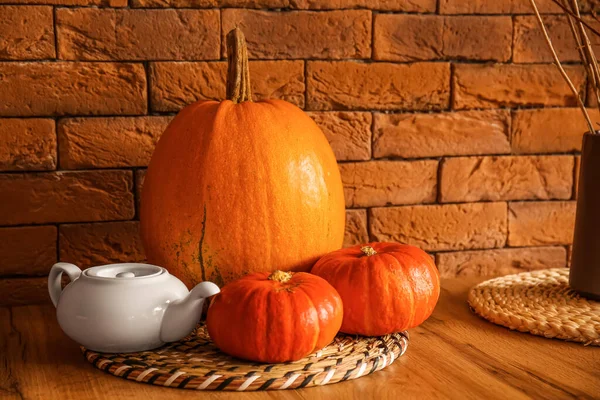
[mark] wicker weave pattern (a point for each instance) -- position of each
(539, 302)
(195, 363)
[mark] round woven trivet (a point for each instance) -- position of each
(195, 363)
(539, 302)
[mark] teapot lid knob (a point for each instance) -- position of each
(125, 275)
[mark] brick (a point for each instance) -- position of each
(65, 88)
(506, 178)
(140, 175)
(478, 38)
(402, 37)
(123, 34)
(27, 250)
(103, 3)
(495, 7)
(27, 144)
(356, 228)
(177, 84)
(108, 142)
(23, 291)
(26, 33)
(441, 134)
(549, 130)
(530, 45)
(507, 85)
(88, 245)
(500, 261)
(381, 86)
(38, 198)
(348, 133)
(384, 5)
(285, 35)
(211, 3)
(379, 183)
(541, 223)
(421, 6)
(441, 227)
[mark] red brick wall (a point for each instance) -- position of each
(434, 108)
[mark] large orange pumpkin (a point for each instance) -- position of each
(276, 317)
(385, 287)
(238, 186)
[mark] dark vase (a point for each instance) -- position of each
(584, 276)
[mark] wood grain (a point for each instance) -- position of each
(24, 291)
(454, 354)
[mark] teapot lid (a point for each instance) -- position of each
(126, 271)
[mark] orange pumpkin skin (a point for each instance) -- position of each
(260, 319)
(390, 291)
(226, 176)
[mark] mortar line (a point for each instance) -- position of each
(491, 63)
(57, 137)
(512, 40)
(451, 89)
(148, 88)
(368, 224)
(372, 135)
(508, 202)
(438, 198)
(306, 108)
(222, 51)
(55, 29)
(373, 15)
(57, 225)
(289, 9)
(136, 215)
(398, 111)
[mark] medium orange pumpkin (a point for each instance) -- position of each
(385, 287)
(275, 317)
(226, 176)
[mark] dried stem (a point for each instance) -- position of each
(368, 251)
(589, 61)
(571, 18)
(280, 276)
(560, 67)
(572, 14)
(238, 75)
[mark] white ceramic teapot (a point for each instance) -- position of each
(125, 307)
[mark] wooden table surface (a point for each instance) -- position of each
(454, 354)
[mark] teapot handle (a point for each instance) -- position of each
(54, 279)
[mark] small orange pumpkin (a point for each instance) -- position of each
(277, 317)
(385, 287)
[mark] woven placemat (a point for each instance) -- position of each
(195, 363)
(539, 302)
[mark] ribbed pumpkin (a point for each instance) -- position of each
(237, 186)
(385, 287)
(275, 317)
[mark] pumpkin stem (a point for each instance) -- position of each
(368, 251)
(280, 276)
(238, 74)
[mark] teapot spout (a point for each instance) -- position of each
(181, 316)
